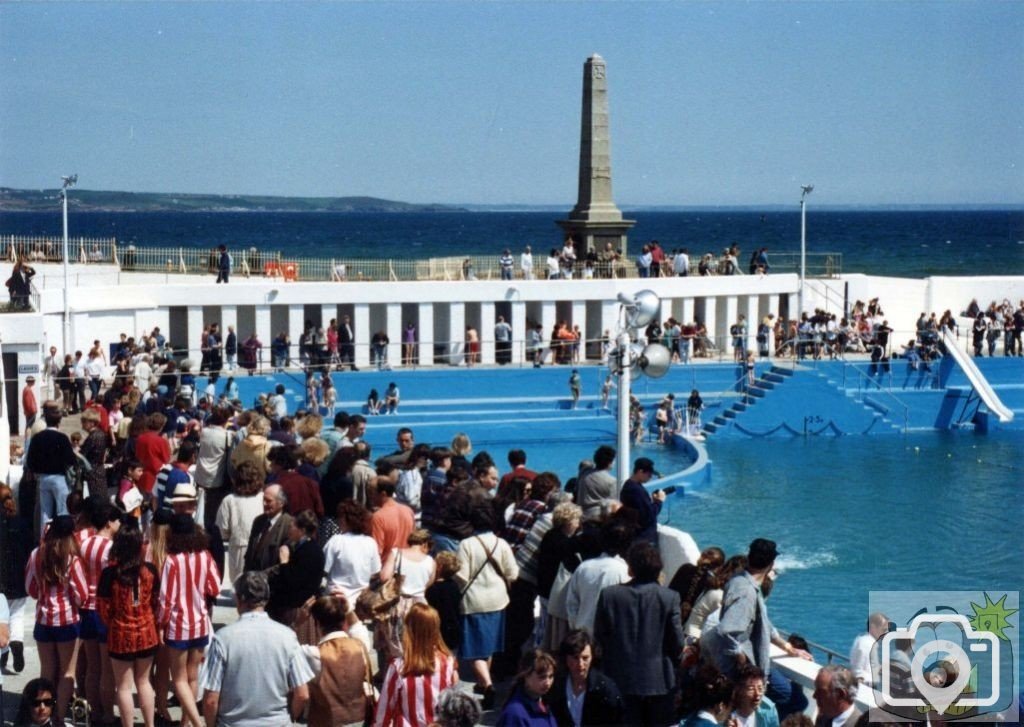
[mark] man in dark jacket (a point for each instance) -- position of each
(223, 264)
(49, 457)
(581, 695)
(641, 634)
(646, 506)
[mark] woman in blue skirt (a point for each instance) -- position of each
(486, 567)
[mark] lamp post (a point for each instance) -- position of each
(68, 182)
(806, 190)
(653, 360)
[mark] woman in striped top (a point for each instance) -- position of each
(156, 553)
(95, 551)
(55, 577)
(128, 598)
(414, 681)
(189, 578)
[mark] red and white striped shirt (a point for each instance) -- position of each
(409, 701)
(96, 556)
(56, 605)
(81, 535)
(187, 581)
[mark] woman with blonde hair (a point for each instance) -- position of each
(312, 453)
(254, 447)
(413, 681)
(461, 449)
(309, 426)
(55, 577)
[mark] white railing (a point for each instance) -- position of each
(252, 262)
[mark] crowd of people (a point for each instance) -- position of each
(999, 321)
(427, 558)
(652, 261)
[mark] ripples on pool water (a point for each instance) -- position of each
(935, 511)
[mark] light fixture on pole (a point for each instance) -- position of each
(68, 182)
(652, 359)
(806, 190)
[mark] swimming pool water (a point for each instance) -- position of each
(928, 511)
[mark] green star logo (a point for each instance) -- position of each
(992, 617)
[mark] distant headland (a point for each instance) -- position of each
(85, 200)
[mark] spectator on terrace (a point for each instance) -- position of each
(296, 577)
(338, 694)
(646, 506)
(595, 574)
(254, 651)
(486, 567)
(581, 695)
(526, 263)
(250, 353)
(597, 485)
(527, 705)
(643, 262)
(864, 656)
(19, 285)
(506, 263)
(303, 492)
(744, 633)
(711, 698)
(978, 331)
(835, 689)
(472, 346)
(352, 556)
(392, 522)
(237, 512)
(691, 580)
(423, 670)
(637, 625)
(704, 613)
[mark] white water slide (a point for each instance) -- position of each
(980, 384)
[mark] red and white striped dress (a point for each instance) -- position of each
(96, 556)
(57, 605)
(409, 701)
(187, 581)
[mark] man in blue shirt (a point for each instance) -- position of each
(253, 665)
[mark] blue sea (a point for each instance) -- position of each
(896, 243)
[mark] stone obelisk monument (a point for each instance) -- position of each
(595, 220)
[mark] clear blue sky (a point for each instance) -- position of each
(711, 103)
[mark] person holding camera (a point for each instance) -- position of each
(647, 506)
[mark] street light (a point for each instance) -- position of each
(806, 190)
(68, 182)
(652, 359)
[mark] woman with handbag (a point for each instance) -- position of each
(415, 679)
(486, 568)
(414, 570)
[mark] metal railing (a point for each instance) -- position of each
(868, 384)
(252, 262)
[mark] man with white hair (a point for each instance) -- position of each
(864, 659)
(254, 665)
(269, 530)
(835, 688)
